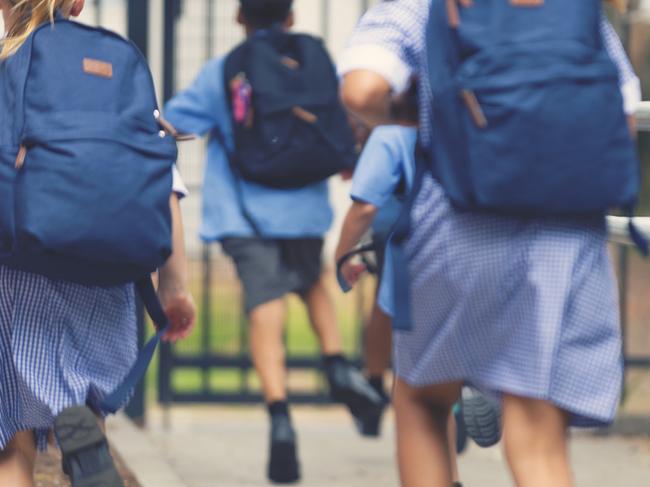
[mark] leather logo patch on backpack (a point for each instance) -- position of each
(290, 62)
(527, 3)
(99, 68)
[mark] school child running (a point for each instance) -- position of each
(65, 345)
(382, 180)
(525, 307)
(263, 106)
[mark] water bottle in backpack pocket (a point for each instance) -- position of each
(527, 112)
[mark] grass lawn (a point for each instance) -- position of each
(222, 330)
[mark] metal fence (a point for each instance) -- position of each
(214, 364)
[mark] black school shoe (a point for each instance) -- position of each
(86, 458)
(283, 457)
(369, 424)
(348, 386)
(482, 417)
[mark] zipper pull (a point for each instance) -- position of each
(453, 15)
(20, 158)
(474, 108)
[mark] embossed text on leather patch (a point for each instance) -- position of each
(98, 68)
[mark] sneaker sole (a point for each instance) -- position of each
(283, 466)
(482, 420)
(76, 429)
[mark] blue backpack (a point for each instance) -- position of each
(85, 167)
(527, 113)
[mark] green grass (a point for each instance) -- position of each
(221, 329)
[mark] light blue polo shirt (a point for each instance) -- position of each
(279, 213)
(387, 159)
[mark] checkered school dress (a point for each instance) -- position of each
(61, 344)
(511, 305)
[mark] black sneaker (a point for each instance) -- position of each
(283, 460)
(482, 417)
(86, 457)
(348, 386)
(369, 425)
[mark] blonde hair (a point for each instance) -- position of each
(26, 16)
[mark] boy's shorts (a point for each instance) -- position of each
(270, 269)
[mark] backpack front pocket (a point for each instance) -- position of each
(553, 146)
(97, 198)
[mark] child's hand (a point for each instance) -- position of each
(352, 272)
(181, 312)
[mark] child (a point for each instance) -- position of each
(524, 307)
(274, 235)
(64, 345)
(382, 180)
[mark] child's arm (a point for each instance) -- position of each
(172, 286)
(356, 224)
(202, 106)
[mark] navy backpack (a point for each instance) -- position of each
(290, 127)
(85, 168)
(527, 112)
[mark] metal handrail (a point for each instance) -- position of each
(618, 226)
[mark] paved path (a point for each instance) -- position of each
(209, 446)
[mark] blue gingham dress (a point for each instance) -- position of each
(61, 344)
(526, 306)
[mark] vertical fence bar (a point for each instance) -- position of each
(170, 16)
(206, 316)
(138, 32)
(97, 7)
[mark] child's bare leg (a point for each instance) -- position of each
(17, 461)
(535, 439)
(377, 342)
(267, 348)
(423, 449)
(322, 316)
(451, 441)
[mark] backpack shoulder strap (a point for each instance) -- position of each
(117, 399)
(218, 135)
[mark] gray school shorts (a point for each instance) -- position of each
(269, 269)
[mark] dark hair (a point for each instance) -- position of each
(265, 13)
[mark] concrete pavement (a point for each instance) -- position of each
(207, 446)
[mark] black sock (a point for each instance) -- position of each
(458, 484)
(333, 359)
(278, 408)
(377, 383)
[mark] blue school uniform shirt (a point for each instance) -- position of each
(279, 213)
(388, 159)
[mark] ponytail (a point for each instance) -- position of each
(26, 16)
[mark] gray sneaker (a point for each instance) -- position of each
(86, 457)
(482, 417)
